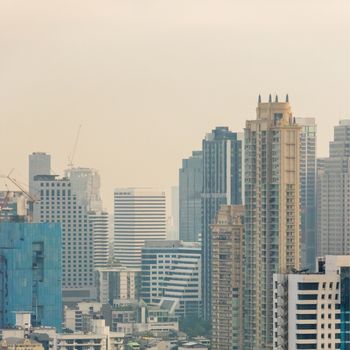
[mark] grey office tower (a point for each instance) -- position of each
(222, 178)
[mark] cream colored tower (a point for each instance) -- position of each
(227, 278)
(272, 218)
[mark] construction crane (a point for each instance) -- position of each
(71, 158)
(16, 183)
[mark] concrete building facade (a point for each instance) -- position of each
(272, 217)
(99, 221)
(59, 202)
(312, 310)
(333, 195)
(139, 215)
(172, 270)
(227, 278)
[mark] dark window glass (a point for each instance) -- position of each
(306, 307)
(307, 286)
(306, 326)
(307, 296)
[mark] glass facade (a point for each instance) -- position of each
(30, 273)
(190, 189)
(222, 181)
(308, 191)
(345, 308)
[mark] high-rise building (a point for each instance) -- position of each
(139, 215)
(61, 202)
(333, 195)
(190, 189)
(272, 216)
(312, 310)
(174, 231)
(99, 221)
(86, 183)
(222, 178)
(117, 284)
(308, 191)
(39, 164)
(172, 270)
(30, 273)
(227, 278)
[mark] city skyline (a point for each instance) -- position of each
(161, 69)
(175, 175)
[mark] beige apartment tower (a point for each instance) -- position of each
(272, 216)
(227, 278)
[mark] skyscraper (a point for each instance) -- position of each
(222, 177)
(86, 183)
(69, 203)
(139, 215)
(272, 216)
(99, 221)
(333, 195)
(172, 270)
(308, 191)
(30, 273)
(39, 164)
(190, 189)
(173, 228)
(227, 278)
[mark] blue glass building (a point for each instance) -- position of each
(30, 273)
(222, 185)
(345, 308)
(190, 190)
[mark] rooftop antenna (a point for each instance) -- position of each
(276, 98)
(270, 98)
(71, 157)
(287, 98)
(259, 99)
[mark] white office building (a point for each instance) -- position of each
(117, 284)
(139, 215)
(311, 310)
(172, 270)
(99, 221)
(70, 202)
(86, 183)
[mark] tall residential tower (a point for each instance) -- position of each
(227, 278)
(272, 217)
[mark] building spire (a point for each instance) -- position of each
(259, 99)
(287, 98)
(276, 98)
(270, 98)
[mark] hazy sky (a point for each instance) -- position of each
(148, 78)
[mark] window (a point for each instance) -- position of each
(307, 286)
(306, 307)
(307, 296)
(306, 326)
(306, 316)
(306, 346)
